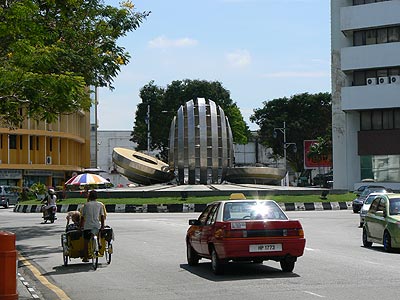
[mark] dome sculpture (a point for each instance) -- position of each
(200, 143)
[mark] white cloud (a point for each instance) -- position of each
(239, 58)
(297, 74)
(164, 42)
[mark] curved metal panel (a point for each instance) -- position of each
(171, 155)
(191, 142)
(181, 145)
(214, 140)
(203, 139)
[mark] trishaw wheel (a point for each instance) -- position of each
(108, 252)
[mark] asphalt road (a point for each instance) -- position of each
(149, 262)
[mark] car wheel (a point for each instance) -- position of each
(191, 255)
(287, 265)
(217, 265)
(387, 242)
(366, 243)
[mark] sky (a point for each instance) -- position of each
(259, 50)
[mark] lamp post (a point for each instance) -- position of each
(148, 128)
(285, 144)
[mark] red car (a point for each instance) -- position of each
(244, 230)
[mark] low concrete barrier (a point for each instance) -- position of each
(182, 208)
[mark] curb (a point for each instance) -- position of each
(181, 208)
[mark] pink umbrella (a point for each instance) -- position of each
(87, 178)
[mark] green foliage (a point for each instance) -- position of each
(39, 188)
(307, 117)
(164, 102)
(52, 51)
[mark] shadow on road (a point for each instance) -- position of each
(237, 271)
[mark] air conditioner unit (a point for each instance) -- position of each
(371, 81)
(395, 79)
(383, 80)
(48, 160)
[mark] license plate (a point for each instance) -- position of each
(265, 248)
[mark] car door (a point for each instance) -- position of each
(207, 232)
(196, 230)
(371, 218)
(381, 215)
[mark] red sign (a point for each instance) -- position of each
(310, 163)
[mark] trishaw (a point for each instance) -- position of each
(73, 244)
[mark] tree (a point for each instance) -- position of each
(164, 102)
(307, 116)
(52, 51)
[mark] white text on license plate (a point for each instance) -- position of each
(265, 248)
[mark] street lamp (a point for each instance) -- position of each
(285, 144)
(148, 128)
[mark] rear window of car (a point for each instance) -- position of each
(256, 210)
(394, 206)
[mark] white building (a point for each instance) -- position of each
(365, 45)
(106, 142)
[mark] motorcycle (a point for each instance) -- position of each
(49, 214)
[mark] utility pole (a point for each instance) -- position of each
(285, 145)
(148, 128)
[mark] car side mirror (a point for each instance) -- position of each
(194, 222)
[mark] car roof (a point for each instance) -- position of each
(243, 200)
(393, 195)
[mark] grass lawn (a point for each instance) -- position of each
(201, 200)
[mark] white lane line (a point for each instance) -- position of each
(314, 294)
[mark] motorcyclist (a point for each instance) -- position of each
(50, 202)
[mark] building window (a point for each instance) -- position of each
(31, 142)
(51, 144)
(20, 142)
(370, 37)
(37, 143)
(361, 2)
(13, 141)
(376, 36)
(1, 141)
(394, 34)
(359, 38)
(380, 119)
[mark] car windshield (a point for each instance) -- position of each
(257, 210)
(394, 206)
(368, 191)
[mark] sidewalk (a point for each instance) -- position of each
(24, 290)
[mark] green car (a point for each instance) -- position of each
(382, 222)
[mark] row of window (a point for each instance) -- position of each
(12, 138)
(380, 119)
(376, 36)
(361, 77)
(360, 2)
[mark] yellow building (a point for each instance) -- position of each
(46, 153)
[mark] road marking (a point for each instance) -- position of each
(59, 292)
(310, 249)
(314, 294)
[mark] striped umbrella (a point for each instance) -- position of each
(87, 178)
